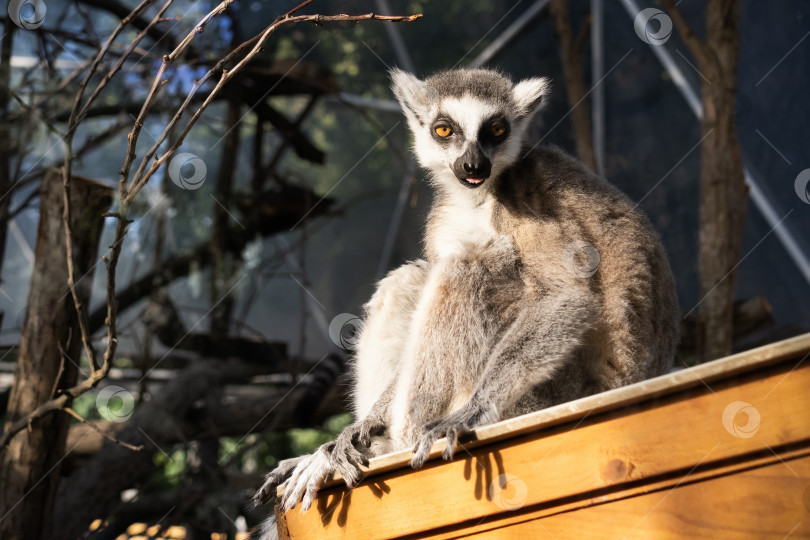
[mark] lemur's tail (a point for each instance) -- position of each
(266, 531)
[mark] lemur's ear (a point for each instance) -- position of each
(529, 94)
(415, 96)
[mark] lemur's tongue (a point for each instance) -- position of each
(474, 180)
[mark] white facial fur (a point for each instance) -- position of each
(422, 103)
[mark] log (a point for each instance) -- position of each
(29, 466)
(185, 410)
(162, 318)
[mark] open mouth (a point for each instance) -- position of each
(472, 182)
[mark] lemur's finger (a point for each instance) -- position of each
(271, 482)
(294, 489)
(293, 493)
(348, 465)
(350, 474)
(351, 461)
(422, 450)
(368, 431)
(347, 454)
(309, 495)
(263, 495)
(449, 448)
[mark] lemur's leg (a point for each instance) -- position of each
(544, 335)
(379, 348)
(467, 303)
(387, 319)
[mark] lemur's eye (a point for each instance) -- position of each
(497, 130)
(443, 131)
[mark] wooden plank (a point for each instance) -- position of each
(663, 432)
(665, 484)
(702, 375)
(766, 503)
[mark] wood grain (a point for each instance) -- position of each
(766, 503)
(664, 434)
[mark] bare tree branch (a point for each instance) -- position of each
(95, 428)
(140, 177)
(696, 47)
(127, 188)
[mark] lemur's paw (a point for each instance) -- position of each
(346, 459)
(306, 479)
(368, 429)
(274, 479)
(452, 427)
(432, 432)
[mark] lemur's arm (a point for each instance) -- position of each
(542, 338)
(353, 446)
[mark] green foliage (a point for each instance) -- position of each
(262, 453)
(305, 441)
(171, 468)
(85, 405)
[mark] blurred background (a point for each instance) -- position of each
(251, 252)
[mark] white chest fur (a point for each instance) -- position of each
(456, 228)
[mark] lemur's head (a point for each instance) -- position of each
(468, 124)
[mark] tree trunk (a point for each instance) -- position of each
(5, 136)
(224, 265)
(570, 54)
(723, 193)
(29, 466)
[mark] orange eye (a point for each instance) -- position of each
(443, 131)
(497, 130)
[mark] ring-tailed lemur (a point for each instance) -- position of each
(541, 283)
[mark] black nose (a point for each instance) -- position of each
(474, 169)
(473, 163)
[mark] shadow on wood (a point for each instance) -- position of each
(718, 450)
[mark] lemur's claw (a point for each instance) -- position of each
(274, 479)
(307, 478)
(449, 449)
(451, 427)
(346, 458)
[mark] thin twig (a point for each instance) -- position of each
(100, 431)
(121, 60)
(61, 401)
(141, 178)
(73, 123)
(125, 196)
